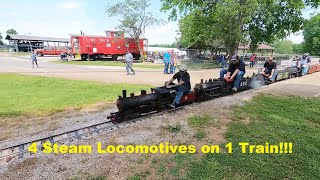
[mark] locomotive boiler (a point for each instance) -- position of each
(161, 98)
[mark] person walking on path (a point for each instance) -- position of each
(252, 58)
(178, 63)
(172, 62)
(166, 61)
(129, 61)
(33, 59)
(224, 61)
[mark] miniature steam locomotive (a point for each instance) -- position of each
(161, 98)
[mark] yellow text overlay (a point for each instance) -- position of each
(163, 148)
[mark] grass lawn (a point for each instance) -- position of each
(33, 95)
(191, 65)
(112, 63)
(204, 65)
(272, 119)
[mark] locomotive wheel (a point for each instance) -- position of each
(114, 57)
(83, 57)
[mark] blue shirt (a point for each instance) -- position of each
(166, 58)
(221, 58)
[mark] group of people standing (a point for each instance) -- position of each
(171, 61)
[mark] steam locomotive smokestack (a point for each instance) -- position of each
(124, 93)
(201, 81)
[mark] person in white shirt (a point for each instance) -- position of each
(33, 59)
(129, 61)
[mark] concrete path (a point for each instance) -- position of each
(308, 86)
(99, 73)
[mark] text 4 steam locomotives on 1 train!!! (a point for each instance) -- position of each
(160, 98)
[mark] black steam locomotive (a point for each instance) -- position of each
(161, 98)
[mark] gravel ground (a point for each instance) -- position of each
(149, 131)
(21, 129)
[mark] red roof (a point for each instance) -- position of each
(261, 46)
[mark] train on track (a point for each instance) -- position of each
(160, 98)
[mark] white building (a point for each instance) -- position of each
(156, 50)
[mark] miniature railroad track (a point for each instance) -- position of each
(19, 151)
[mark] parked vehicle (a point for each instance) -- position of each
(51, 51)
(110, 46)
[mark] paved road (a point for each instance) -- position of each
(308, 86)
(98, 73)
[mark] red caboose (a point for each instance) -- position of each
(110, 46)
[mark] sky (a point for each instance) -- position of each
(60, 18)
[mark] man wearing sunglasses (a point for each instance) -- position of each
(270, 69)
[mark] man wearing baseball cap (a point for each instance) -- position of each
(270, 69)
(235, 72)
(183, 85)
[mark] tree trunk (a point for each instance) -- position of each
(140, 49)
(233, 49)
(212, 53)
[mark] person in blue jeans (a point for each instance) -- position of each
(304, 64)
(224, 61)
(183, 85)
(166, 61)
(235, 72)
(270, 69)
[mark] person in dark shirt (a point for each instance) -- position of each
(270, 69)
(183, 85)
(235, 72)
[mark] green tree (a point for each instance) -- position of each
(135, 18)
(311, 35)
(12, 31)
(1, 42)
(284, 47)
(198, 29)
(298, 48)
(245, 21)
(173, 45)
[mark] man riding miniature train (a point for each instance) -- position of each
(304, 63)
(183, 85)
(235, 72)
(270, 69)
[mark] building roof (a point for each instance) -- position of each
(101, 36)
(260, 47)
(246, 47)
(36, 38)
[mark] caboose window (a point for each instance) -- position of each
(108, 44)
(127, 45)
